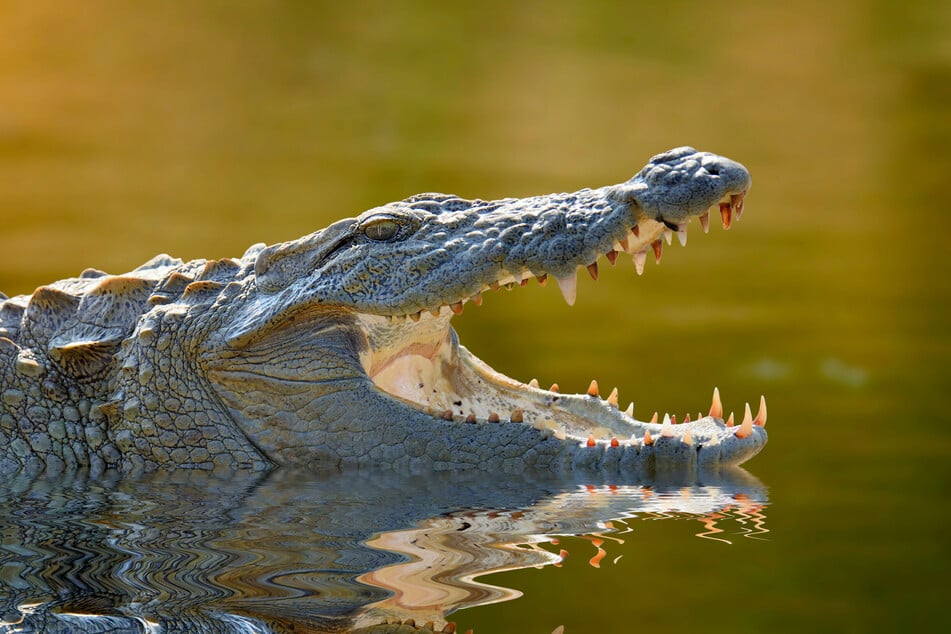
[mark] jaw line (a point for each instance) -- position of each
(418, 360)
(433, 373)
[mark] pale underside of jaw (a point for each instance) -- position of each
(418, 360)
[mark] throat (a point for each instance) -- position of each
(412, 360)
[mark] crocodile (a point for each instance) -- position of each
(335, 350)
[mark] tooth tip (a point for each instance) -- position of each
(746, 427)
(640, 259)
(761, 413)
(716, 407)
(593, 388)
(569, 288)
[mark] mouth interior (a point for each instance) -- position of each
(417, 358)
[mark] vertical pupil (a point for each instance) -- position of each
(383, 230)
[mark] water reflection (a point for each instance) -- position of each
(322, 553)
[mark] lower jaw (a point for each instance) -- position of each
(453, 384)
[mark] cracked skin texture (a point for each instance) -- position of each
(336, 349)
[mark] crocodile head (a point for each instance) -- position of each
(343, 349)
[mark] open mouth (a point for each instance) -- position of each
(418, 359)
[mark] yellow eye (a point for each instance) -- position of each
(381, 228)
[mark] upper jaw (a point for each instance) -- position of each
(682, 183)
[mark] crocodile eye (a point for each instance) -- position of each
(381, 228)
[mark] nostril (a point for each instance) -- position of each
(714, 170)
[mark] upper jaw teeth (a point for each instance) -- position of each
(638, 241)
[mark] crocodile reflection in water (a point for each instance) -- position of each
(188, 552)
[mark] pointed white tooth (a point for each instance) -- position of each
(761, 413)
(640, 259)
(746, 427)
(569, 288)
(629, 412)
(666, 428)
(560, 434)
(715, 440)
(682, 235)
(705, 221)
(716, 407)
(533, 383)
(669, 236)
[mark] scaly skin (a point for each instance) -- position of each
(336, 350)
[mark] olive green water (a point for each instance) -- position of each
(128, 129)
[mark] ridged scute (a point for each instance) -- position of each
(105, 316)
(48, 310)
(11, 316)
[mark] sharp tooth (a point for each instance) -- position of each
(517, 416)
(533, 383)
(611, 256)
(542, 279)
(471, 418)
(726, 215)
(673, 419)
(629, 412)
(593, 388)
(435, 311)
(614, 442)
(715, 440)
(569, 288)
(593, 270)
(682, 235)
(456, 308)
(636, 230)
(746, 427)
(624, 244)
(476, 299)
(612, 398)
(591, 441)
(736, 201)
(493, 417)
(666, 428)
(640, 259)
(705, 221)
(658, 247)
(687, 417)
(729, 421)
(554, 388)
(560, 434)
(669, 236)
(654, 418)
(647, 438)
(687, 439)
(761, 413)
(716, 408)
(415, 316)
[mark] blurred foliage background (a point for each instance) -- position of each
(200, 128)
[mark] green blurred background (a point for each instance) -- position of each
(199, 128)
